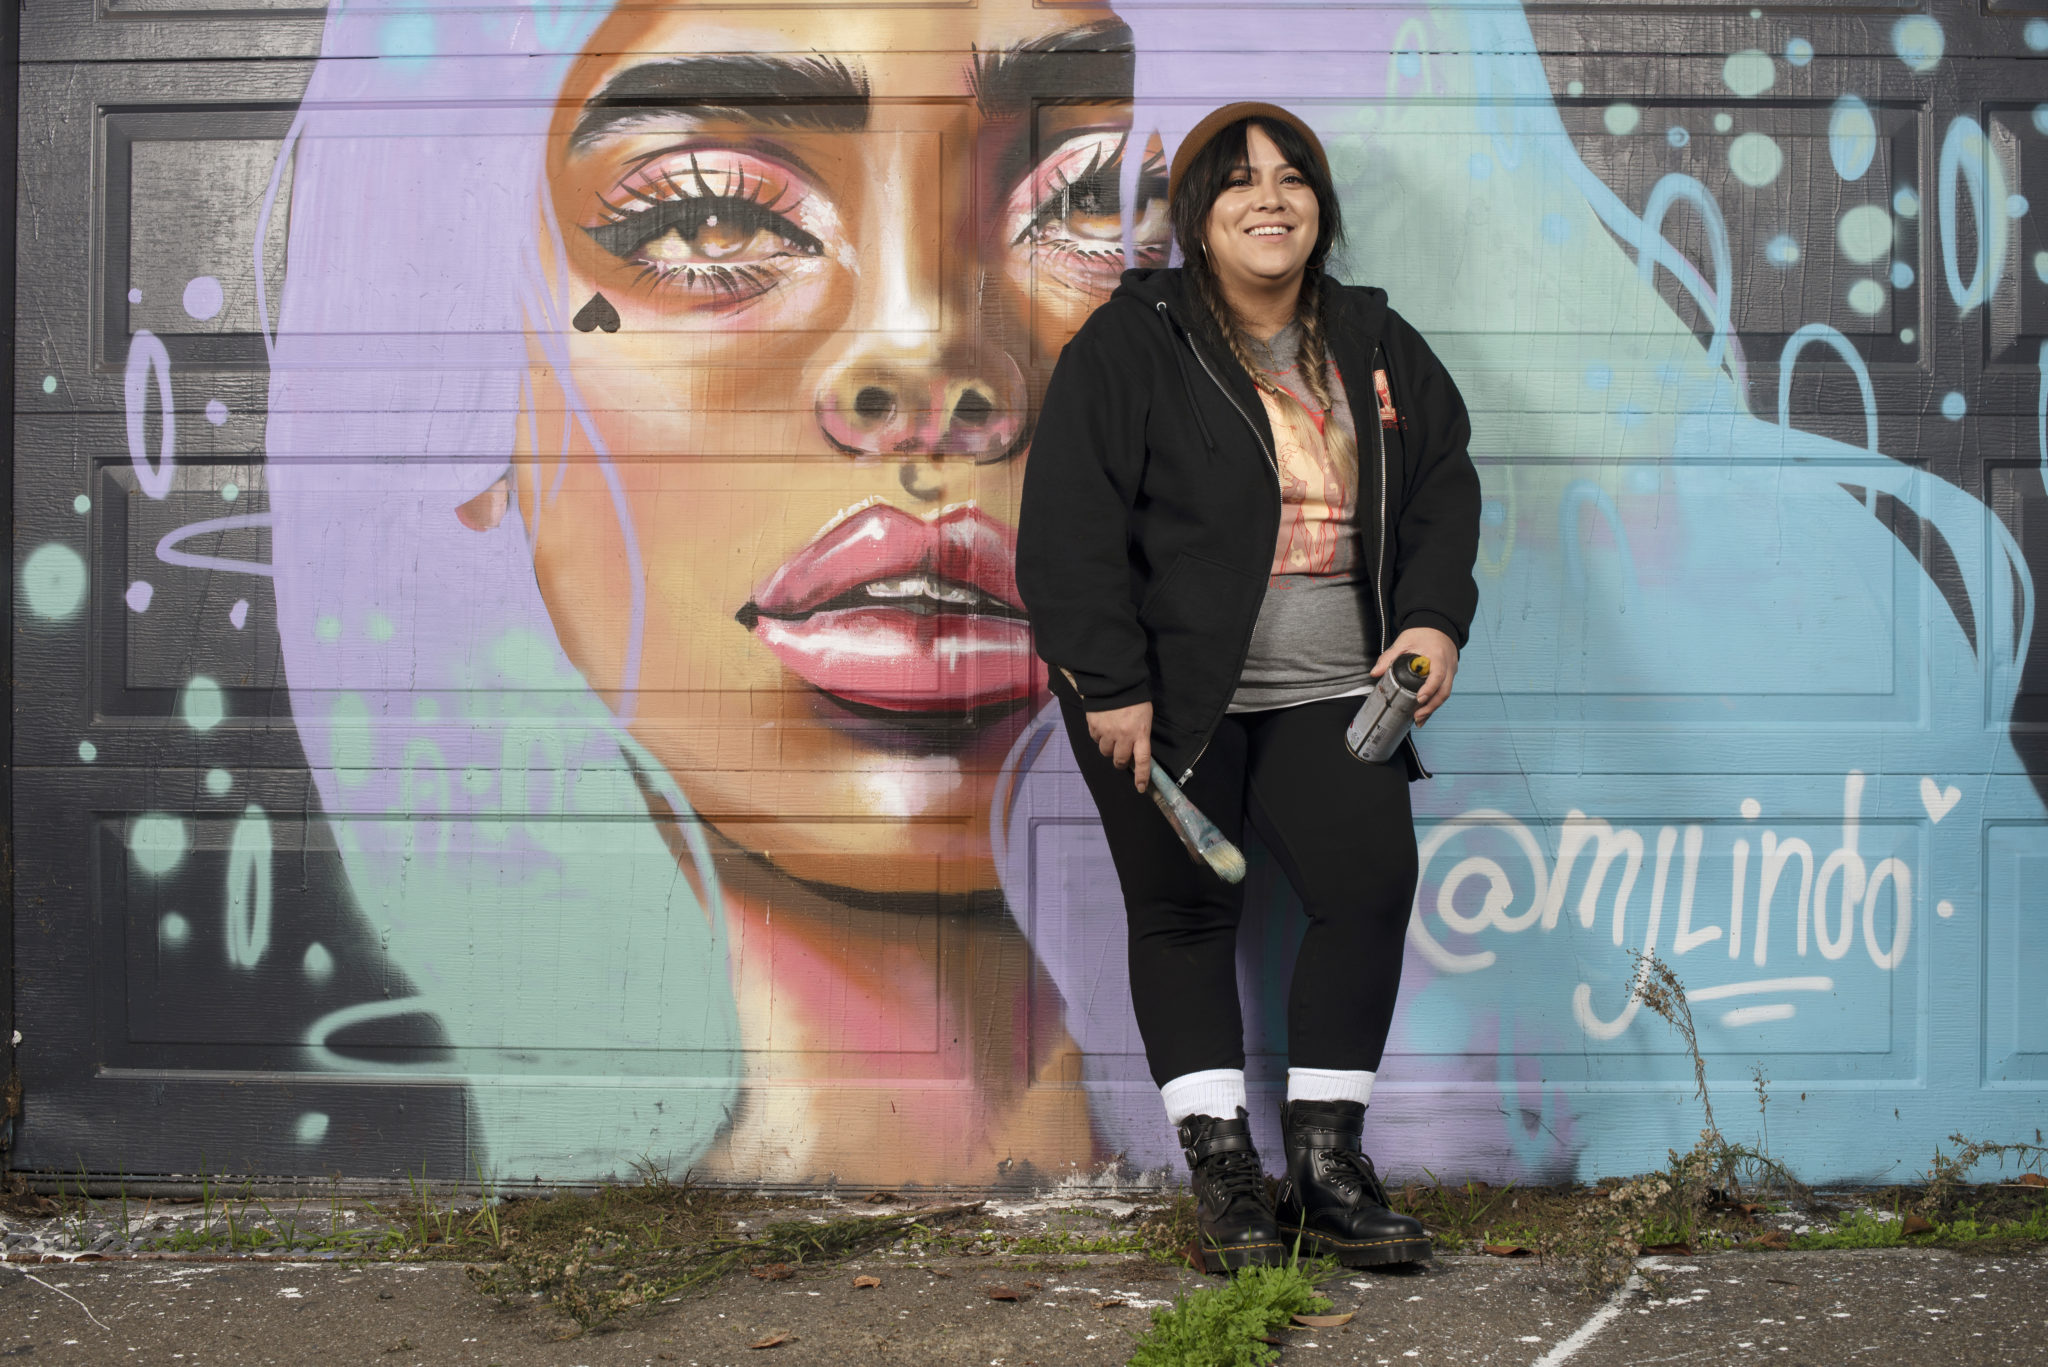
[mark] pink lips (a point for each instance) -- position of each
(889, 610)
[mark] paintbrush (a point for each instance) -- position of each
(1196, 831)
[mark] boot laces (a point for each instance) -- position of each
(1353, 1174)
(1231, 1175)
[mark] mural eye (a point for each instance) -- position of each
(698, 222)
(1068, 213)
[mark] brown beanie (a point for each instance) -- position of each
(1217, 120)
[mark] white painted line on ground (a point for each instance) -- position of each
(1566, 1350)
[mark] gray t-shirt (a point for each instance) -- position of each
(1310, 641)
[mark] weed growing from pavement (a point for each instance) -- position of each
(1233, 1325)
(1947, 1174)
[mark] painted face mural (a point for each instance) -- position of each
(649, 395)
(835, 296)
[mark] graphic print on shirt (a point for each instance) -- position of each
(1318, 497)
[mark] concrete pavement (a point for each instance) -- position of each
(1935, 1307)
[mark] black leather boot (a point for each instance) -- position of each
(1331, 1199)
(1236, 1214)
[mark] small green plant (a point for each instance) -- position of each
(1232, 1325)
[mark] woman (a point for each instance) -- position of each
(1218, 562)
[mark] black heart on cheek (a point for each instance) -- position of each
(598, 313)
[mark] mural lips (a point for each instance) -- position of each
(888, 609)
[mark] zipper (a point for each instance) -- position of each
(1273, 464)
(1379, 564)
(1257, 435)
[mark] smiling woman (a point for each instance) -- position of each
(735, 528)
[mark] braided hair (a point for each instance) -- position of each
(1199, 188)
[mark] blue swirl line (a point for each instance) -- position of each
(1717, 302)
(1787, 363)
(1965, 134)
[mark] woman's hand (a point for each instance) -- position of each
(1432, 645)
(1124, 734)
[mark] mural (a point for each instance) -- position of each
(625, 542)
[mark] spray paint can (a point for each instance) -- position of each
(1388, 712)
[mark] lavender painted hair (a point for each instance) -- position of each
(488, 806)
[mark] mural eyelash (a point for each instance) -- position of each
(685, 200)
(686, 217)
(737, 284)
(1096, 190)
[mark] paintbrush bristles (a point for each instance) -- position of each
(1227, 860)
(1196, 831)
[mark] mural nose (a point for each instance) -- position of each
(892, 411)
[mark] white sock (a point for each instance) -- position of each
(1328, 1084)
(1214, 1091)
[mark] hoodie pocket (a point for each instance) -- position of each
(1195, 622)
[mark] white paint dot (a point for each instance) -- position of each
(53, 581)
(1919, 42)
(1621, 119)
(1723, 122)
(174, 929)
(1749, 73)
(1575, 88)
(1865, 233)
(1751, 809)
(158, 842)
(203, 704)
(1944, 909)
(203, 297)
(1755, 159)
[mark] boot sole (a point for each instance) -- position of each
(1243, 1255)
(1364, 1252)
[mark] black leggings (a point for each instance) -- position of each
(1344, 835)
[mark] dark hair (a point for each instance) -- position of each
(1200, 186)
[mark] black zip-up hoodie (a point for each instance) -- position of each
(1152, 504)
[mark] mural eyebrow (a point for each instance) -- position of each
(785, 92)
(1092, 62)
